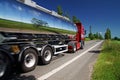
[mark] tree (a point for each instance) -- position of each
(100, 36)
(116, 38)
(91, 36)
(75, 20)
(108, 34)
(97, 35)
(37, 22)
(59, 10)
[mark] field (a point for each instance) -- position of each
(107, 66)
(25, 26)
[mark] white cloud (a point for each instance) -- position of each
(36, 13)
(19, 8)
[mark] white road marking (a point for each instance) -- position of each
(47, 75)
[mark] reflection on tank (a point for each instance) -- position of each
(37, 22)
(15, 14)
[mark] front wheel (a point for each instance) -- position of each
(5, 66)
(82, 45)
(29, 60)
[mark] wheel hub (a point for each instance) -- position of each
(47, 55)
(29, 60)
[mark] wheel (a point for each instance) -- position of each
(29, 60)
(72, 47)
(5, 66)
(82, 45)
(46, 55)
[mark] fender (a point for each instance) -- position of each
(8, 54)
(24, 48)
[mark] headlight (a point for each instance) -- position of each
(15, 48)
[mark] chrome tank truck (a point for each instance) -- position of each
(30, 34)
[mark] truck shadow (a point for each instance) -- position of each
(18, 75)
(58, 56)
(95, 51)
(22, 77)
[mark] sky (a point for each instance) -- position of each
(99, 14)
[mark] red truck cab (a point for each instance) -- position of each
(78, 43)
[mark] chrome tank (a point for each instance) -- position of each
(14, 14)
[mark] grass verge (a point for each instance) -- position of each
(87, 39)
(107, 66)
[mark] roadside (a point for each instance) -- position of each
(107, 66)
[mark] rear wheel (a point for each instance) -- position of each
(46, 55)
(29, 60)
(5, 66)
(74, 48)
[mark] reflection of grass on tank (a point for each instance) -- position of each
(20, 26)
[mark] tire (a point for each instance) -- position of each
(74, 48)
(82, 45)
(73, 45)
(47, 54)
(29, 60)
(5, 67)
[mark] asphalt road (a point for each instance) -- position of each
(66, 66)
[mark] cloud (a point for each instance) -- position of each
(36, 13)
(20, 8)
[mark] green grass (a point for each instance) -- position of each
(25, 26)
(107, 66)
(87, 39)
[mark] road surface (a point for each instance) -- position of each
(66, 66)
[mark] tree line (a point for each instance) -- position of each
(107, 35)
(60, 12)
(98, 35)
